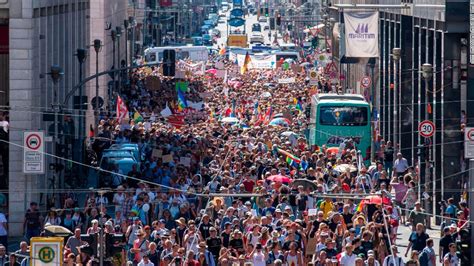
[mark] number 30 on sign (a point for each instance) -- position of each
(426, 128)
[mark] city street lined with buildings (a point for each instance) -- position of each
(266, 132)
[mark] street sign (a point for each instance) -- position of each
(426, 129)
(365, 82)
(47, 251)
(101, 102)
(469, 143)
(33, 152)
(236, 22)
(237, 12)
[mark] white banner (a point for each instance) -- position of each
(258, 61)
(362, 34)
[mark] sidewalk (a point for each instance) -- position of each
(404, 233)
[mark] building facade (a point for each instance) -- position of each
(41, 34)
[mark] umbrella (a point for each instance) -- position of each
(266, 95)
(289, 133)
(56, 230)
(211, 71)
(306, 64)
(230, 120)
(279, 115)
(343, 168)
(332, 150)
(376, 199)
(305, 183)
(289, 61)
(282, 122)
(279, 178)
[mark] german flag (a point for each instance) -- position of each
(244, 67)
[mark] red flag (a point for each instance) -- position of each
(122, 111)
(428, 108)
(91, 131)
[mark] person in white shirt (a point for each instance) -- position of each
(393, 260)
(119, 197)
(400, 166)
(348, 258)
(145, 261)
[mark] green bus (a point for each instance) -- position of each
(339, 118)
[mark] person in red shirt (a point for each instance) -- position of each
(191, 261)
(249, 184)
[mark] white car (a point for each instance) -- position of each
(256, 37)
(262, 19)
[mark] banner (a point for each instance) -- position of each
(46, 251)
(362, 34)
(258, 61)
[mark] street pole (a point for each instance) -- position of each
(81, 55)
(427, 72)
(131, 20)
(119, 57)
(97, 47)
(396, 52)
(372, 94)
(125, 25)
(471, 202)
(56, 73)
(113, 35)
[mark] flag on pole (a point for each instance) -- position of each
(182, 86)
(222, 51)
(360, 207)
(122, 111)
(182, 103)
(298, 104)
(137, 117)
(245, 66)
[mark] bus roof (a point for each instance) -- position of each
(332, 97)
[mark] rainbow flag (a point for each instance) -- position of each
(137, 117)
(290, 158)
(245, 66)
(182, 103)
(360, 207)
(298, 104)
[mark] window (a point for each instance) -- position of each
(343, 116)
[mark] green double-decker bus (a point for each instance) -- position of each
(338, 118)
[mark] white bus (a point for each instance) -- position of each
(195, 53)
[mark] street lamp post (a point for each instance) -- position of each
(126, 24)
(427, 73)
(396, 52)
(371, 65)
(56, 73)
(118, 29)
(113, 36)
(97, 48)
(131, 21)
(81, 55)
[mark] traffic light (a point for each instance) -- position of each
(261, 10)
(278, 20)
(266, 12)
(169, 62)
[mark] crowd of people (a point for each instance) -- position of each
(246, 191)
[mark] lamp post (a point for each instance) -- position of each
(113, 36)
(427, 73)
(81, 55)
(118, 29)
(396, 52)
(97, 47)
(126, 25)
(56, 72)
(131, 21)
(371, 65)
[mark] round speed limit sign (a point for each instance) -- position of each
(426, 128)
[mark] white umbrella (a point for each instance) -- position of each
(166, 112)
(266, 95)
(230, 120)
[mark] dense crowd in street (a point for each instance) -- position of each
(248, 190)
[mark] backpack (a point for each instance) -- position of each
(423, 258)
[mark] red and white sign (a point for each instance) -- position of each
(426, 128)
(33, 152)
(469, 143)
(365, 82)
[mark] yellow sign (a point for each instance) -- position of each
(237, 40)
(46, 251)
